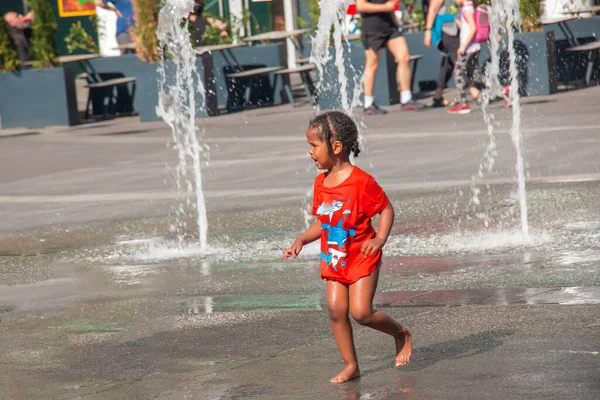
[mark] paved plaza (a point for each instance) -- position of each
(99, 301)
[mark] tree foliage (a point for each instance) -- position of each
(9, 59)
(143, 33)
(43, 46)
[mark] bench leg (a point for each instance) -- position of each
(248, 92)
(133, 85)
(288, 93)
(110, 105)
(413, 74)
(308, 86)
(274, 86)
(311, 86)
(87, 105)
(590, 66)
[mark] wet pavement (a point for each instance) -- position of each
(98, 301)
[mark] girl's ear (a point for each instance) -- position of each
(337, 147)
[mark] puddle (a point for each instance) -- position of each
(210, 304)
(490, 296)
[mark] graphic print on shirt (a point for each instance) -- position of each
(329, 209)
(333, 258)
(336, 234)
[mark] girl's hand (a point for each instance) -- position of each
(294, 250)
(371, 246)
(461, 50)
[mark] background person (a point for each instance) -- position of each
(125, 20)
(20, 30)
(466, 73)
(380, 29)
(200, 22)
(448, 43)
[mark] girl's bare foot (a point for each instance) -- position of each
(349, 373)
(403, 347)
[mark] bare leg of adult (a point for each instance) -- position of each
(371, 64)
(399, 49)
(338, 302)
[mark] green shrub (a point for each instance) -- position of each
(79, 39)
(43, 47)
(531, 12)
(143, 33)
(9, 59)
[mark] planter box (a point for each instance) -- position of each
(147, 87)
(146, 92)
(242, 58)
(535, 63)
(571, 66)
(211, 67)
(35, 98)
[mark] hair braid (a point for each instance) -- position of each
(338, 126)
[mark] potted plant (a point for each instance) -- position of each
(44, 95)
(9, 60)
(143, 33)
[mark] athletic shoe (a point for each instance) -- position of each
(462, 108)
(439, 103)
(411, 105)
(374, 110)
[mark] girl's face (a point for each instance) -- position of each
(318, 150)
(459, 2)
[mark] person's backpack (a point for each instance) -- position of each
(482, 21)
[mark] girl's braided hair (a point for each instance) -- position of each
(338, 126)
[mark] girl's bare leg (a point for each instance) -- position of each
(337, 299)
(361, 309)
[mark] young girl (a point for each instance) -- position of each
(466, 73)
(345, 199)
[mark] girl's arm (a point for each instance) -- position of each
(310, 235)
(363, 6)
(386, 220)
(472, 31)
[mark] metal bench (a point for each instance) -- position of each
(107, 91)
(252, 75)
(304, 72)
(593, 56)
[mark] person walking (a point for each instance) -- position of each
(441, 30)
(381, 29)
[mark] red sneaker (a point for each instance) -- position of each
(461, 108)
(506, 95)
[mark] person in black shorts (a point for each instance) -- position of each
(380, 29)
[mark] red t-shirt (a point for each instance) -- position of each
(345, 212)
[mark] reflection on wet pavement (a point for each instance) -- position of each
(491, 296)
(429, 298)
